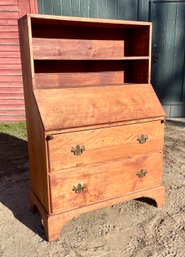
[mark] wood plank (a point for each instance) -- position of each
(8, 28)
(48, 19)
(8, 22)
(11, 95)
(10, 60)
(11, 112)
(10, 66)
(54, 80)
(7, 106)
(10, 71)
(10, 102)
(9, 41)
(112, 178)
(104, 144)
(108, 125)
(11, 34)
(8, 54)
(97, 105)
(11, 89)
(11, 83)
(10, 78)
(12, 118)
(9, 48)
(9, 8)
(76, 48)
(9, 2)
(9, 15)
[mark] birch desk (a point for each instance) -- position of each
(95, 125)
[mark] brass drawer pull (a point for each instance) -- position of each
(77, 150)
(79, 188)
(141, 173)
(142, 139)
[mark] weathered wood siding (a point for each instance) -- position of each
(11, 87)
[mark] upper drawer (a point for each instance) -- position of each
(91, 146)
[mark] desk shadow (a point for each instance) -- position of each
(15, 182)
(179, 123)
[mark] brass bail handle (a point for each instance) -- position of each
(77, 150)
(142, 138)
(79, 188)
(141, 173)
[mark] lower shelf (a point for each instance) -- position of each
(53, 224)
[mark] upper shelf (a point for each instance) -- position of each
(77, 44)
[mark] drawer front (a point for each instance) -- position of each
(91, 146)
(77, 187)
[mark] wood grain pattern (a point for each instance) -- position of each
(49, 48)
(54, 223)
(104, 144)
(106, 117)
(105, 104)
(54, 19)
(36, 136)
(61, 80)
(104, 181)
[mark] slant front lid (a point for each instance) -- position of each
(76, 107)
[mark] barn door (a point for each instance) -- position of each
(168, 62)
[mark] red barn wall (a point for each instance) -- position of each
(11, 85)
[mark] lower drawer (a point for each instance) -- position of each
(77, 187)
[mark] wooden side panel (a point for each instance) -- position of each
(104, 181)
(71, 49)
(59, 80)
(36, 137)
(104, 144)
(9, 2)
(74, 107)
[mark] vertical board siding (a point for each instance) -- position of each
(84, 8)
(168, 77)
(111, 9)
(66, 7)
(93, 9)
(57, 7)
(179, 54)
(75, 10)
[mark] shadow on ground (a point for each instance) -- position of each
(174, 122)
(14, 181)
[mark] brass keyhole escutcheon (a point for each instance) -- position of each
(141, 173)
(142, 139)
(79, 188)
(77, 150)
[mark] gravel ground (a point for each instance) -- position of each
(130, 229)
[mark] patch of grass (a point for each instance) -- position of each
(17, 129)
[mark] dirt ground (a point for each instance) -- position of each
(130, 229)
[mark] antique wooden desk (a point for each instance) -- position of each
(95, 124)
